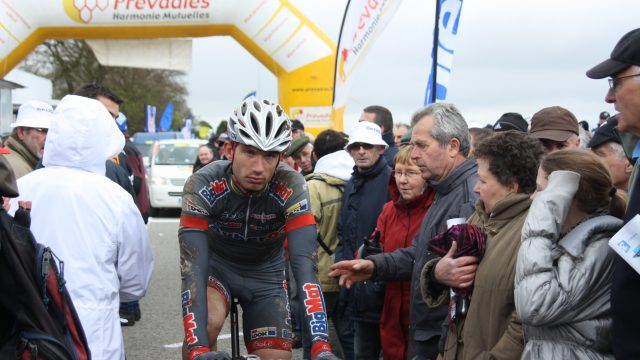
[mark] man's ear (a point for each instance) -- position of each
(314, 156)
(227, 149)
(454, 147)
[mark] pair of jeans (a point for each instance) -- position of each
(367, 340)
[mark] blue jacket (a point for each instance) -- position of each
(364, 196)
(392, 150)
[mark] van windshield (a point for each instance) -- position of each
(176, 154)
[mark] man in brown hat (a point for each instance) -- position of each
(556, 127)
(623, 70)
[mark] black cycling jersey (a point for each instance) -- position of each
(248, 232)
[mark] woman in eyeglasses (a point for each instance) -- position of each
(565, 266)
(398, 223)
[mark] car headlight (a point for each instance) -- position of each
(157, 180)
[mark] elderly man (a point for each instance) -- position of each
(364, 196)
(29, 134)
(382, 117)
(300, 151)
(608, 146)
(623, 70)
(556, 127)
(90, 222)
(440, 141)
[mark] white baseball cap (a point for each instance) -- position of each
(34, 114)
(368, 133)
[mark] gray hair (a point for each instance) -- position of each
(448, 124)
(618, 150)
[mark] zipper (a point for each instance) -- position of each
(246, 222)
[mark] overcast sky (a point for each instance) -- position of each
(511, 55)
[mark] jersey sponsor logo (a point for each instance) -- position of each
(188, 319)
(228, 216)
(192, 207)
(263, 217)
(214, 191)
(298, 207)
(314, 306)
(231, 224)
(281, 192)
(263, 332)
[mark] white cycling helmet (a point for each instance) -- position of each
(261, 124)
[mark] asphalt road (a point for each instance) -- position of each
(159, 334)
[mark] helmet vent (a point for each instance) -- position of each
(282, 128)
(244, 109)
(244, 134)
(279, 110)
(257, 105)
(255, 125)
(269, 125)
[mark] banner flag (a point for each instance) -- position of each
(167, 116)
(121, 120)
(186, 129)
(150, 115)
(253, 93)
(363, 21)
(445, 32)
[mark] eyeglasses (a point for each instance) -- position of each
(614, 82)
(41, 130)
(357, 146)
(408, 174)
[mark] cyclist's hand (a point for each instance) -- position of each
(326, 355)
(213, 355)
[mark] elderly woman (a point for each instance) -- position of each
(507, 166)
(564, 268)
(398, 223)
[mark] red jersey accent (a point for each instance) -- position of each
(194, 222)
(300, 221)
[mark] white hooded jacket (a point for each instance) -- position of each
(89, 222)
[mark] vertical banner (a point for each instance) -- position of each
(445, 32)
(186, 129)
(167, 116)
(363, 21)
(150, 115)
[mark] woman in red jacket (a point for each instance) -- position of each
(398, 223)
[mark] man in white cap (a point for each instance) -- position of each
(90, 222)
(27, 139)
(364, 196)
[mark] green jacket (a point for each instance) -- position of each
(325, 193)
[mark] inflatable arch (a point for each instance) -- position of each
(273, 31)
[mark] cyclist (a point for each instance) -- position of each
(235, 217)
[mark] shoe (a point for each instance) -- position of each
(137, 312)
(127, 319)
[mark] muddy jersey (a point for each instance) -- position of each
(242, 228)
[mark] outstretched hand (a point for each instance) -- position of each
(351, 271)
(458, 272)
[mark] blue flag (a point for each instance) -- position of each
(445, 34)
(253, 93)
(165, 120)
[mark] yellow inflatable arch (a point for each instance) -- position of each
(276, 33)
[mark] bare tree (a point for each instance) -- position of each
(70, 64)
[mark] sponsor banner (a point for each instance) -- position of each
(150, 115)
(447, 30)
(363, 21)
(312, 116)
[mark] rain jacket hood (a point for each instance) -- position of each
(82, 135)
(338, 164)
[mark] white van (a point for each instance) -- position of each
(170, 166)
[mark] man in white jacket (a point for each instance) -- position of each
(89, 222)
